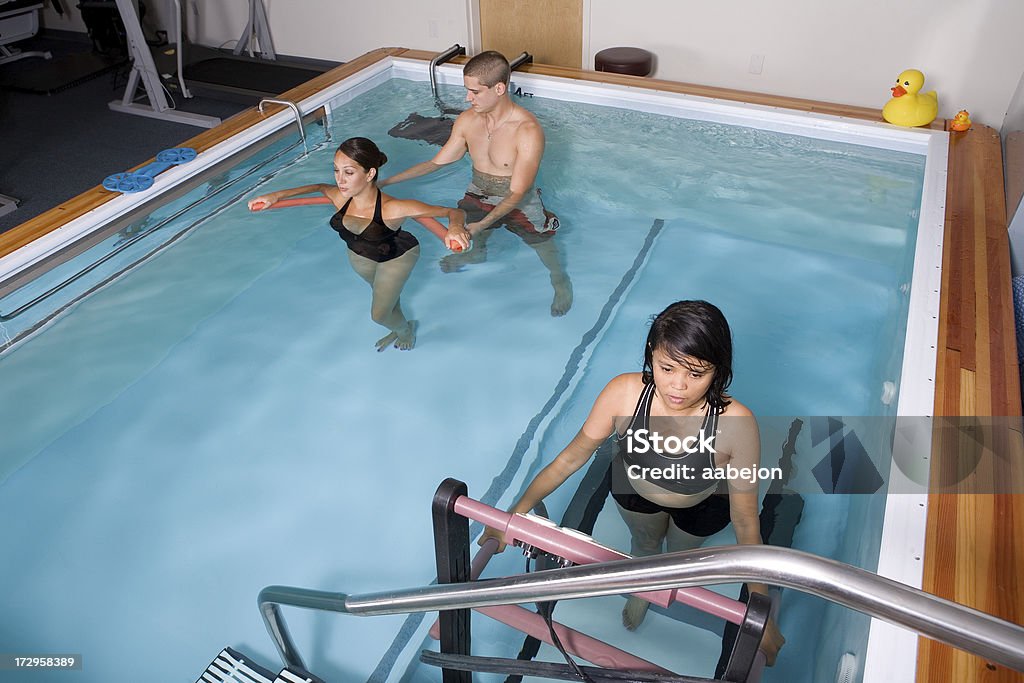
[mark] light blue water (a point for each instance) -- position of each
(216, 420)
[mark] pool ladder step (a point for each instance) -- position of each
(556, 671)
(231, 666)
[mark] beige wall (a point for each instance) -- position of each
(849, 52)
(324, 29)
(845, 52)
(337, 29)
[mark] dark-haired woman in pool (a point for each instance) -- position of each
(370, 223)
(674, 414)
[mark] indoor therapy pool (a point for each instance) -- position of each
(200, 412)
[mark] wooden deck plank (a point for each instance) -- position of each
(951, 320)
(949, 380)
(963, 199)
(1000, 331)
(980, 299)
(968, 404)
(1003, 345)
(934, 661)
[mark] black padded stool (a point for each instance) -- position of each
(624, 60)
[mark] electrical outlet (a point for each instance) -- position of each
(756, 64)
(432, 28)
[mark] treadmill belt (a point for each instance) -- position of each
(244, 76)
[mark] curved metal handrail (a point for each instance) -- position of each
(295, 110)
(523, 58)
(438, 60)
(963, 627)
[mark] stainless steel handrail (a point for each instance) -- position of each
(968, 629)
(295, 110)
(523, 58)
(438, 60)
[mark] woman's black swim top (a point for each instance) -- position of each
(377, 241)
(700, 461)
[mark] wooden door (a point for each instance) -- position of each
(550, 30)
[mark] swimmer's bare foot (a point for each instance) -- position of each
(385, 341)
(453, 263)
(634, 612)
(406, 341)
(562, 301)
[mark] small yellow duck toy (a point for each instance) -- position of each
(961, 122)
(908, 107)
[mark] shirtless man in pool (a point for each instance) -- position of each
(505, 143)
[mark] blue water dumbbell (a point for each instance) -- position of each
(142, 179)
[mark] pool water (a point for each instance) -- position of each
(216, 420)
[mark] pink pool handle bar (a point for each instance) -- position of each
(582, 549)
(576, 643)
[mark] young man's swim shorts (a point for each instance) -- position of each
(530, 220)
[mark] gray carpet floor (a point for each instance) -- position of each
(53, 147)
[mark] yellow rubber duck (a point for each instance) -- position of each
(908, 107)
(961, 122)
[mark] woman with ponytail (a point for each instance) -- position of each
(370, 224)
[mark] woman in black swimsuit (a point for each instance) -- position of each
(680, 396)
(370, 223)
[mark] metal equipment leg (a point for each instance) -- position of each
(7, 204)
(144, 73)
(257, 28)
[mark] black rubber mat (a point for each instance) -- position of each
(49, 76)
